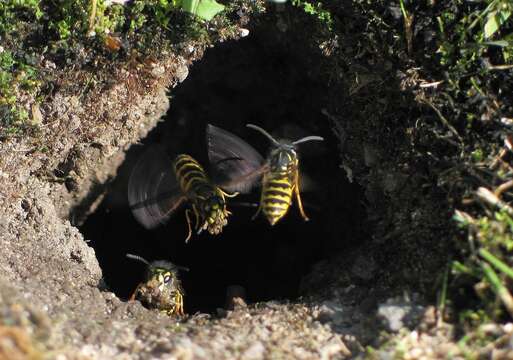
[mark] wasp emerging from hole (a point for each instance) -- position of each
(279, 173)
(158, 186)
(161, 289)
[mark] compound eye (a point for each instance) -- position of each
(167, 278)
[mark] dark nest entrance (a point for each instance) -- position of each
(264, 80)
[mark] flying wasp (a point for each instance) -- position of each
(161, 289)
(279, 172)
(158, 186)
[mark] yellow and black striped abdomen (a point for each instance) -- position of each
(276, 195)
(190, 175)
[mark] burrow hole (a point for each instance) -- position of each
(261, 79)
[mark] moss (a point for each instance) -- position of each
(16, 77)
(317, 10)
(13, 11)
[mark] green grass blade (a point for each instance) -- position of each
(498, 287)
(498, 264)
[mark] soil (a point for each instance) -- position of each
(323, 289)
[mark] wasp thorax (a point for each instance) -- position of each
(282, 158)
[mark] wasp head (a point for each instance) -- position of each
(216, 214)
(163, 274)
(283, 157)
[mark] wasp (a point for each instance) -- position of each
(161, 289)
(158, 186)
(279, 172)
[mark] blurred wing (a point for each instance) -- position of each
(236, 165)
(306, 183)
(153, 191)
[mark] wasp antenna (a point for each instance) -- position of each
(183, 268)
(308, 138)
(137, 257)
(258, 128)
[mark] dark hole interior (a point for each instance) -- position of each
(262, 80)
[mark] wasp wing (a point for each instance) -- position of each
(235, 165)
(153, 191)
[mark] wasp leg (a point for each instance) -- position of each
(298, 198)
(228, 195)
(199, 226)
(196, 217)
(261, 204)
(258, 212)
(132, 297)
(179, 305)
(259, 207)
(187, 213)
